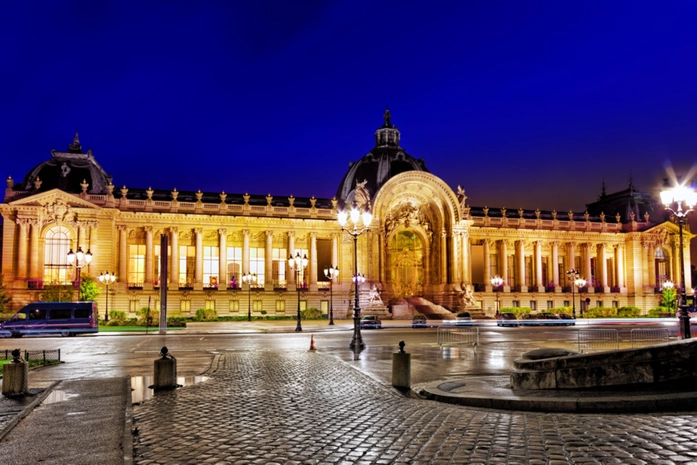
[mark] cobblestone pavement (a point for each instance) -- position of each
(267, 407)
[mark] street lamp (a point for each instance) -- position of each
(496, 283)
(332, 273)
(298, 264)
(579, 282)
(249, 279)
(576, 281)
(355, 216)
(79, 260)
(106, 278)
(681, 196)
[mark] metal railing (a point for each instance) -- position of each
(458, 335)
(42, 355)
(649, 336)
(590, 340)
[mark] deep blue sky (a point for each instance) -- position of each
(526, 104)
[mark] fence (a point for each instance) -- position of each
(598, 339)
(649, 336)
(41, 355)
(458, 335)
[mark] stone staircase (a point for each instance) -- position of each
(430, 310)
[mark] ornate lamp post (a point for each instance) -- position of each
(249, 279)
(367, 217)
(332, 273)
(106, 278)
(79, 260)
(574, 278)
(298, 264)
(684, 199)
(579, 282)
(496, 283)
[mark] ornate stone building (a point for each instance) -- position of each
(426, 243)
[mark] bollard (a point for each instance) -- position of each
(14, 376)
(165, 371)
(401, 368)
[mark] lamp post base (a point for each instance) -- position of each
(685, 332)
(357, 340)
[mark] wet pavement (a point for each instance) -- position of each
(291, 406)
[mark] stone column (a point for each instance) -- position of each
(81, 236)
(245, 252)
(587, 267)
(466, 260)
(457, 259)
(571, 246)
(555, 266)
(290, 272)
(538, 267)
(487, 263)
(148, 256)
(688, 268)
(650, 267)
(602, 258)
(34, 272)
(335, 250)
(520, 255)
(503, 264)
(174, 269)
(268, 261)
(223, 279)
(22, 258)
(444, 256)
(123, 253)
(198, 269)
(312, 262)
(619, 263)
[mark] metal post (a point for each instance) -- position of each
(249, 303)
(331, 301)
(298, 326)
(684, 316)
(357, 341)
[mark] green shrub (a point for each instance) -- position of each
(517, 311)
(311, 314)
(117, 315)
(113, 322)
(661, 312)
(153, 316)
(600, 312)
(628, 312)
(206, 314)
(263, 312)
(176, 322)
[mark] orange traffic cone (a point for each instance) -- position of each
(312, 342)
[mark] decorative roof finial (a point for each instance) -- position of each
(75, 147)
(386, 116)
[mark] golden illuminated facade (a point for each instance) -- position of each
(426, 244)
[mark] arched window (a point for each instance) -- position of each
(661, 267)
(56, 247)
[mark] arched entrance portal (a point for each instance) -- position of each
(408, 264)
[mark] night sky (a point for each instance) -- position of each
(527, 104)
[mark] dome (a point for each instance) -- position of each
(67, 171)
(385, 160)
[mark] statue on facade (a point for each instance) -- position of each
(461, 197)
(362, 195)
(374, 298)
(467, 299)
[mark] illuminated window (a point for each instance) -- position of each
(550, 304)
(133, 305)
(280, 259)
(209, 305)
(533, 305)
(234, 266)
(156, 267)
(56, 247)
(257, 305)
(185, 305)
(187, 265)
(324, 306)
(615, 304)
(516, 303)
(256, 264)
(280, 305)
(234, 305)
(303, 305)
(210, 266)
(136, 265)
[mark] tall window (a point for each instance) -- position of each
(187, 265)
(493, 265)
(136, 265)
(280, 258)
(234, 266)
(56, 247)
(156, 268)
(210, 266)
(256, 264)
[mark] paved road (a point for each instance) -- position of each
(271, 407)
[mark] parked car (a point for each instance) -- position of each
(528, 319)
(567, 319)
(419, 321)
(549, 318)
(463, 319)
(371, 322)
(507, 319)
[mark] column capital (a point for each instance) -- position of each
(122, 227)
(198, 231)
(291, 234)
(269, 233)
(174, 230)
(222, 231)
(246, 232)
(147, 229)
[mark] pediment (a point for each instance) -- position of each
(54, 196)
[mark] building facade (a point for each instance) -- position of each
(425, 242)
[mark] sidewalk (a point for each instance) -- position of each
(305, 398)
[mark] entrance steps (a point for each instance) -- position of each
(430, 310)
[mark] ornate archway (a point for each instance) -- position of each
(407, 250)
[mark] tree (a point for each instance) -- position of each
(88, 289)
(4, 299)
(669, 296)
(57, 293)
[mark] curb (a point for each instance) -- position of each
(27, 409)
